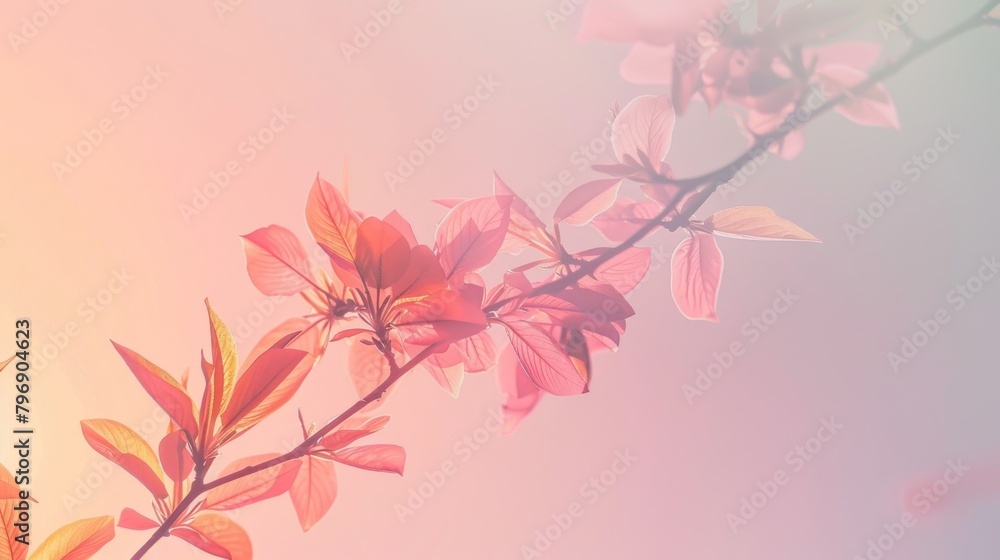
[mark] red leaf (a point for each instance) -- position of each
(164, 389)
(381, 458)
(124, 447)
(175, 456)
(277, 263)
(382, 254)
(260, 486)
(543, 360)
(264, 376)
(585, 202)
(520, 393)
(472, 233)
(424, 275)
(314, 490)
(697, 272)
(444, 317)
(397, 221)
(217, 535)
(644, 130)
(131, 519)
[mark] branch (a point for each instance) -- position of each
(708, 183)
(198, 488)
(713, 180)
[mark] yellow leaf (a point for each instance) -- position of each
(77, 541)
(127, 449)
(755, 222)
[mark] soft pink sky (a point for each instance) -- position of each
(211, 81)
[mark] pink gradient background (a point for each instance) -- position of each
(825, 357)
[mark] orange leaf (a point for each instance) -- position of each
(334, 226)
(217, 535)
(262, 378)
(127, 449)
(6, 362)
(164, 389)
(755, 222)
(10, 549)
(314, 490)
(257, 487)
(77, 541)
(219, 380)
(312, 339)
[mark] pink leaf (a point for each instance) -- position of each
(381, 458)
(277, 262)
(472, 233)
(587, 201)
(644, 129)
(446, 370)
(367, 367)
(543, 360)
(625, 218)
(479, 352)
(520, 393)
(648, 64)
(873, 107)
(314, 490)
(697, 273)
(625, 270)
